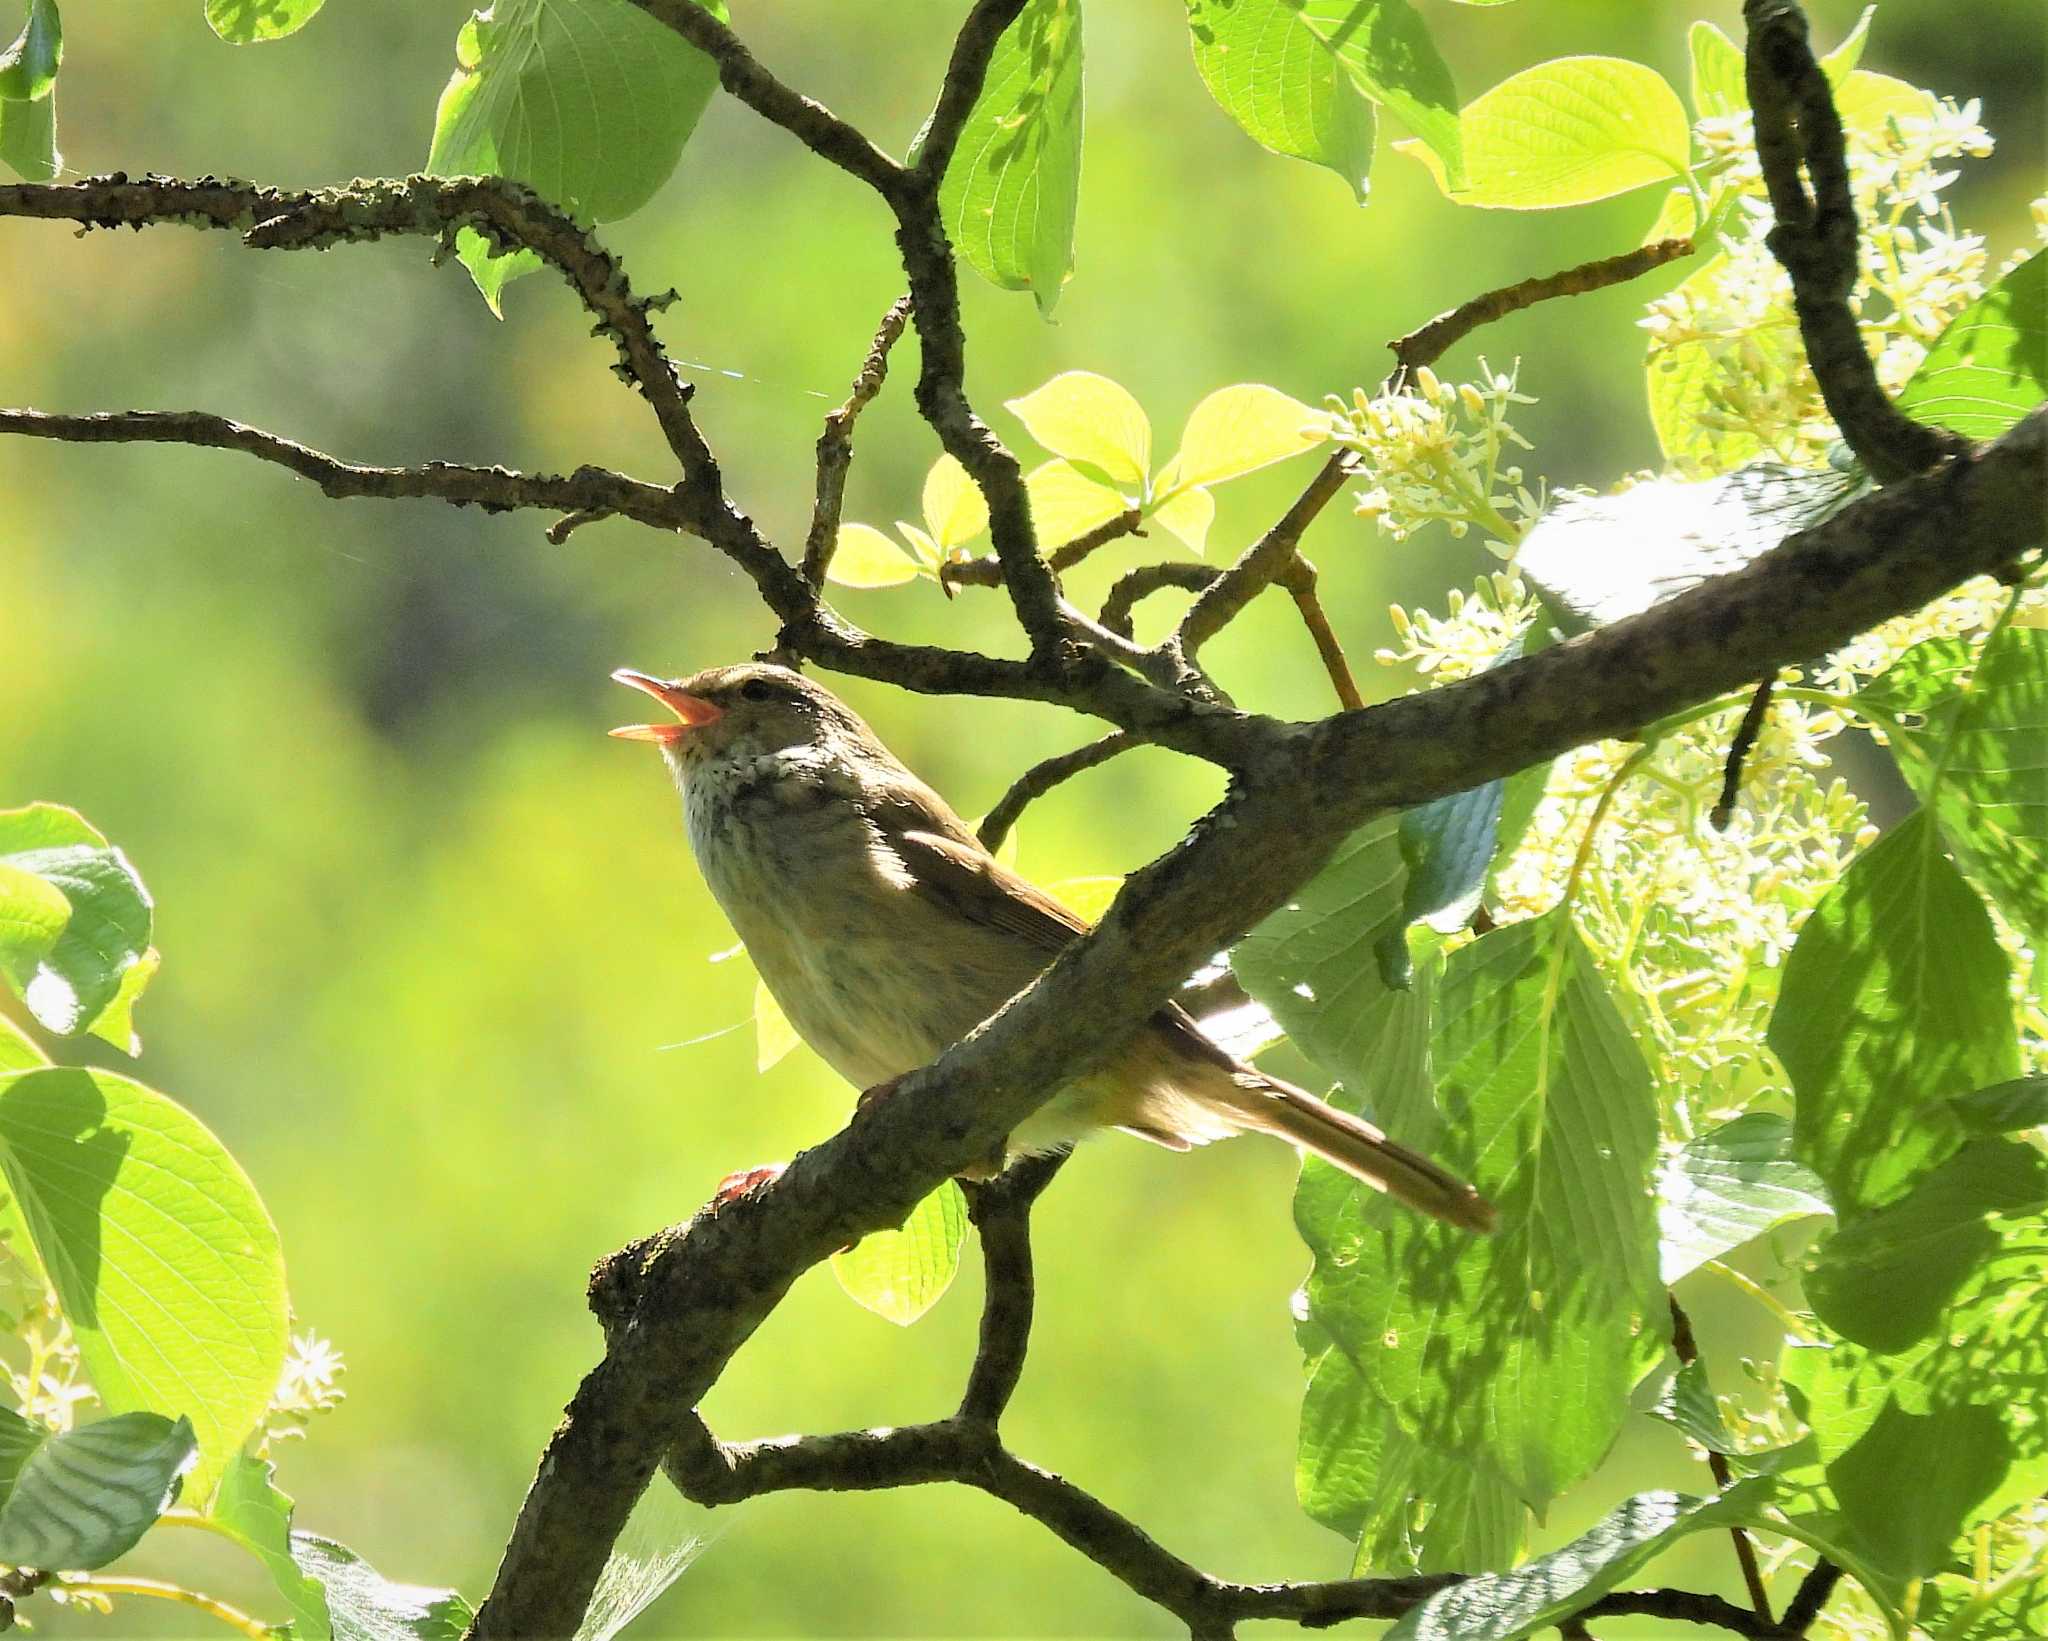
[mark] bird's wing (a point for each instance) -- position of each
(968, 881)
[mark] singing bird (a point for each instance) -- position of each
(886, 932)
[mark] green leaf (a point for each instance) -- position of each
(1982, 760)
(1885, 1280)
(864, 557)
(901, 1274)
(1386, 49)
(82, 1498)
(17, 1052)
(1518, 1350)
(1894, 999)
(2004, 1108)
(1447, 846)
(1599, 559)
(33, 913)
(1093, 422)
(28, 67)
(28, 138)
(1410, 1508)
(163, 1258)
(955, 511)
(1066, 504)
(107, 933)
(1840, 63)
(1718, 86)
(1013, 186)
(1312, 963)
(588, 102)
(245, 22)
(363, 1605)
(1990, 367)
(1567, 132)
(1505, 1606)
(1689, 1406)
(1187, 514)
(1728, 1186)
(1238, 430)
(250, 1510)
(1910, 1483)
(1273, 75)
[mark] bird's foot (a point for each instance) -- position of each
(737, 1184)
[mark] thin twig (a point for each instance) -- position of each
(1298, 576)
(835, 444)
(1428, 343)
(1148, 579)
(589, 492)
(1041, 778)
(1261, 563)
(1687, 1350)
(1811, 1596)
(988, 572)
(1738, 753)
(1001, 1211)
(1815, 236)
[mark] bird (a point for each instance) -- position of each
(886, 933)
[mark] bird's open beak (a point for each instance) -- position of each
(693, 711)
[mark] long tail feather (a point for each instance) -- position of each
(1269, 1106)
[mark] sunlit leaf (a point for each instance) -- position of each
(1013, 188)
(1894, 999)
(1239, 430)
(1689, 1407)
(1841, 62)
(588, 102)
(1087, 897)
(1280, 82)
(28, 138)
(1599, 559)
(1093, 422)
(167, 1266)
(1386, 49)
(1727, 1187)
(1066, 504)
(82, 970)
(2004, 1108)
(241, 22)
(864, 557)
(33, 913)
(901, 1274)
(1885, 1279)
(1870, 104)
(955, 510)
(82, 1498)
(28, 67)
(774, 1036)
(249, 1509)
(1955, 1457)
(1187, 516)
(1990, 366)
(363, 1605)
(1507, 1606)
(1565, 132)
(1717, 77)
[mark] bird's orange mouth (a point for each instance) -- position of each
(692, 711)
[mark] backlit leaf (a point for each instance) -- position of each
(83, 968)
(1386, 49)
(1727, 1187)
(1717, 76)
(955, 510)
(28, 138)
(1093, 422)
(1565, 132)
(1990, 366)
(1066, 504)
(28, 67)
(864, 557)
(1187, 516)
(1239, 430)
(250, 1510)
(901, 1274)
(243, 22)
(774, 1036)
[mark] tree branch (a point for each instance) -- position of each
(1041, 778)
(1815, 238)
(1001, 1211)
(586, 493)
(1261, 563)
(1428, 343)
(988, 572)
(1148, 579)
(835, 445)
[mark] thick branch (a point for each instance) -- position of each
(589, 490)
(1428, 343)
(1815, 238)
(835, 444)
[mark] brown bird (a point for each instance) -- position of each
(886, 932)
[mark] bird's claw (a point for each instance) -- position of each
(738, 1183)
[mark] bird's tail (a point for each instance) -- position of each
(1267, 1105)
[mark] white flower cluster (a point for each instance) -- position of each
(1433, 452)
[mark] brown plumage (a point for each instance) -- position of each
(886, 932)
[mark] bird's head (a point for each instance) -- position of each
(744, 711)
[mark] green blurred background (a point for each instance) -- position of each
(436, 959)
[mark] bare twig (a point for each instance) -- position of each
(1148, 579)
(1041, 778)
(1815, 238)
(1001, 1211)
(1686, 1348)
(1298, 576)
(567, 525)
(835, 444)
(589, 492)
(988, 572)
(1738, 754)
(1428, 343)
(1261, 563)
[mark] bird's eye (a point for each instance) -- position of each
(757, 689)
